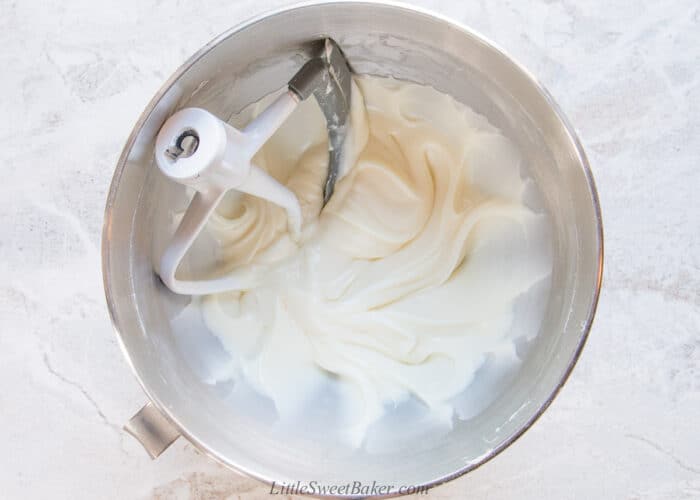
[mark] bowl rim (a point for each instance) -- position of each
(412, 9)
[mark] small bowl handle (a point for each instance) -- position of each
(153, 430)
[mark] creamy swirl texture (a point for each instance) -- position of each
(404, 283)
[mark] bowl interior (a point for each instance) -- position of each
(167, 345)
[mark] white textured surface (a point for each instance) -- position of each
(76, 75)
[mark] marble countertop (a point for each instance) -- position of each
(75, 77)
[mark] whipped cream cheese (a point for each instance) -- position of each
(405, 283)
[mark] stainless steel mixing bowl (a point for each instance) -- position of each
(240, 67)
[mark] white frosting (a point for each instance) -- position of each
(405, 282)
